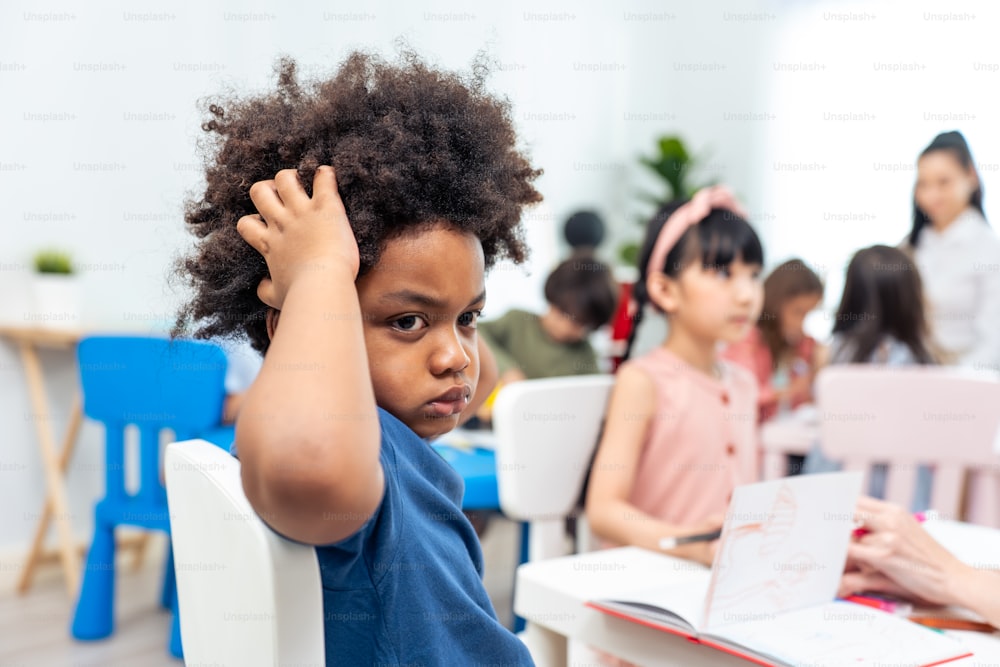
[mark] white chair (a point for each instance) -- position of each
(546, 433)
(247, 596)
(910, 416)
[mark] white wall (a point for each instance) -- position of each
(100, 124)
(875, 82)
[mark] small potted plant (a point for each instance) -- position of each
(673, 164)
(56, 290)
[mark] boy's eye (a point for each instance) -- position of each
(409, 323)
(470, 318)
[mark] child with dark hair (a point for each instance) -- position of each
(363, 282)
(882, 320)
(778, 351)
(581, 297)
(680, 431)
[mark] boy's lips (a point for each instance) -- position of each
(451, 402)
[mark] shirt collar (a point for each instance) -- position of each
(966, 225)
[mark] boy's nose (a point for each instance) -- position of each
(449, 355)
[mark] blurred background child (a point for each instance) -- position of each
(778, 351)
(881, 319)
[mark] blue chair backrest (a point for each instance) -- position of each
(154, 384)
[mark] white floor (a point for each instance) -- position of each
(34, 629)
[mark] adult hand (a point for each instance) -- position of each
(898, 556)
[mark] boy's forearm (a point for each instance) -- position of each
(308, 432)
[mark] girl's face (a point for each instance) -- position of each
(793, 316)
(421, 303)
(943, 188)
(716, 303)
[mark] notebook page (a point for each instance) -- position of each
(841, 633)
(685, 600)
(783, 546)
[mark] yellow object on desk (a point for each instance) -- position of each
(485, 411)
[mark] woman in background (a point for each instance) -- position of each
(957, 253)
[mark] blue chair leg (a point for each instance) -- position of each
(518, 621)
(94, 616)
(169, 591)
(176, 649)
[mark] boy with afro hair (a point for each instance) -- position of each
(345, 229)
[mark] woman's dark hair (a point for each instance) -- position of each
(787, 281)
(954, 143)
(717, 240)
(411, 146)
(583, 288)
(883, 296)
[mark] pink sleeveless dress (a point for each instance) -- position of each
(701, 442)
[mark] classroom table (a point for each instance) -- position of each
(792, 434)
(29, 339)
(551, 594)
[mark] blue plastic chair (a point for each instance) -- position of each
(154, 384)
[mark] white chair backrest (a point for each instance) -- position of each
(546, 432)
(909, 416)
(247, 596)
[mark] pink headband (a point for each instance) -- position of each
(688, 215)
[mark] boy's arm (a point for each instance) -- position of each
(308, 431)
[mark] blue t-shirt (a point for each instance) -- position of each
(407, 588)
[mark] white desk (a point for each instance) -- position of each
(551, 594)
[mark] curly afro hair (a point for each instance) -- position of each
(411, 146)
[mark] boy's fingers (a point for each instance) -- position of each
(288, 188)
(325, 187)
(264, 195)
(253, 228)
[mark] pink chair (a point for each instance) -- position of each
(909, 416)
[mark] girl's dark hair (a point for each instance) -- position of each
(717, 240)
(411, 146)
(883, 296)
(787, 281)
(953, 142)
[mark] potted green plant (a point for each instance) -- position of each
(56, 290)
(673, 164)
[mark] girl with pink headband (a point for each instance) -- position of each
(680, 428)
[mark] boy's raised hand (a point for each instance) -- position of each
(298, 235)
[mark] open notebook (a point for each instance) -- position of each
(770, 595)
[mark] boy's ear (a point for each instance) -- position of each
(271, 319)
(662, 292)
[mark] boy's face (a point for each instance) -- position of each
(420, 304)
